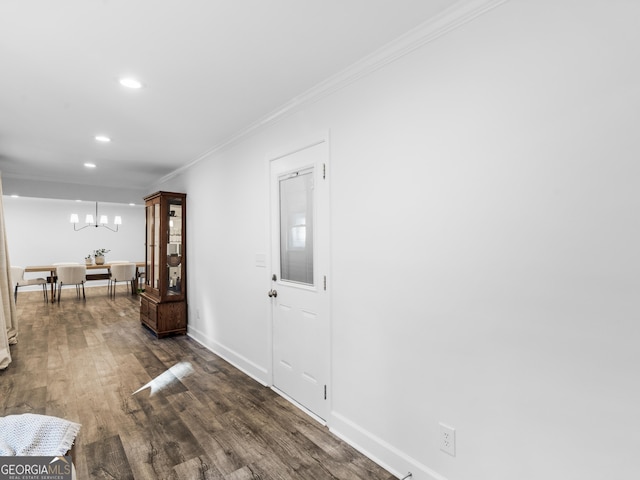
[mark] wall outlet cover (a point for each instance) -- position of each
(448, 439)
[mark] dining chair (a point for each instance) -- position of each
(17, 277)
(122, 272)
(55, 280)
(111, 262)
(71, 275)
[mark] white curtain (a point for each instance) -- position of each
(8, 317)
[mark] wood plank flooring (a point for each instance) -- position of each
(83, 360)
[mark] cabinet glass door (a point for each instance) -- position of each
(156, 246)
(175, 221)
(150, 269)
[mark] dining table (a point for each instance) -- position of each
(105, 275)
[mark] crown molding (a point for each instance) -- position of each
(455, 16)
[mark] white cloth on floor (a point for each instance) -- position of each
(36, 435)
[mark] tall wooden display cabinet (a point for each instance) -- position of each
(163, 304)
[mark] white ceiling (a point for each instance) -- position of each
(210, 68)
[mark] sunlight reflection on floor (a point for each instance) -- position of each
(175, 373)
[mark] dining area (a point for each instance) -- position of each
(54, 277)
(58, 256)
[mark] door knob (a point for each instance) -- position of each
(273, 293)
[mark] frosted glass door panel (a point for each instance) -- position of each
(296, 227)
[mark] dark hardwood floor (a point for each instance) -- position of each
(201, 419)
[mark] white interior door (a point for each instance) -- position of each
(299, 257)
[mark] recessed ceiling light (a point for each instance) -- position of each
(14, 196)
(102, 138)
(89, 165)
(130, 82)
(132, 204)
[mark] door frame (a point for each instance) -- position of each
(297, 146)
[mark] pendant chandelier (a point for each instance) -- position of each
(89, 221)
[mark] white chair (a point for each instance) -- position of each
(17, 277)
(71, 275)
(55, 282)
(111, 263)
(122, 272)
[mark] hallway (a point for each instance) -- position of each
(199, 418)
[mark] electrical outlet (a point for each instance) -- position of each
(448, 439)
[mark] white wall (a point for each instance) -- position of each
(484, 247)
(39, 232)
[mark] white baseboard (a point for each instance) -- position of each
(242, 363)
(384, 454)
(38, 288)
